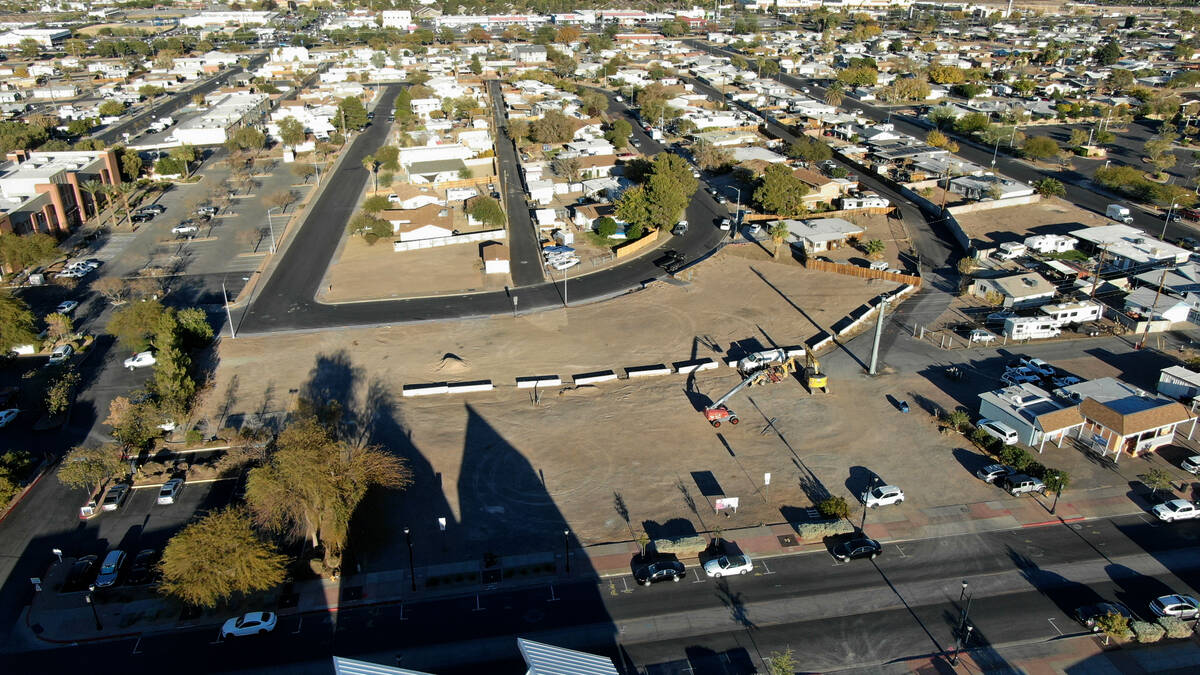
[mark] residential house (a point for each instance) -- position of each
(1179, 383)
(1032, 412)
(495, 257)
(1149, 303)
(426, 222)
(1017, 290)
(1125, 247)
(820, 234)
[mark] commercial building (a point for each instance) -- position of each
(228, 112)
(229, 18)
(45, 37)
(43, 191)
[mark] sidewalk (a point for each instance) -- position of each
(56, 618)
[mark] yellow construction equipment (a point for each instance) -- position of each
(814, 379)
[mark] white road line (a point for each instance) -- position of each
(625, 583)
(298, 626)
(698, 579)
(402, 617)
(478, 607)
(768, 569)
(135, 646)
(900, 549)
(1055, 626)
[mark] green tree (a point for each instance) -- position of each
(218, 558)
(605, 226)
(859, 76)
(553, 127)
(971, 123)
(135, 324)
(22, 251)
(111, 109)
(313, 483)
(29, 48)
(476, 65)
(957, 419)
(350, 114)
(781, 663)
(89, 468)
(1109, 54)
(780, 192)
(809, 149)
(618, 133)
(835, 93)
(184, 154)
(16, 322)
(1113, 624)
(60, 392)
(1157, 480)
(370, 227)
(487, 211)
(291, 131)
(134, 425)
(710, 157)
(833, 508)
(131, 164)
(193, 327)
(1119, 78)
(633, 208)
(1050, 187)
(375, 204)
(1040, 147)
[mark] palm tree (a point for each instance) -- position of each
(779, 233)
(110, 192)
(92, 187)
(835, 93)
(125, 189)
(371, 164)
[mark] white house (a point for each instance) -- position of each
(1149, 303)
(495, 257)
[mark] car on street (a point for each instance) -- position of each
(140, 360)
(141, 570)
(1088, 614)
(81, 574)
(725, 224)
(670, 261)
(60, 355)
(884, 495)
(1020, 484)
(729, 565)
(110, 569)
(854, 549)
(1191, 465)
(66, 307)
(992, 472)
(999, 430)
(663, 570)
(1178, 606)
(170, 491)
(9, 415)
(1176, 509)
(251, 623)
(185, 227)
(115, 497)
(680, 228)
(142, 217)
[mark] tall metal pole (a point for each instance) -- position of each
(412, 574)
(567, 549)
(1145, 334)
(878, 334)
(1162, 235)
(92, 603)
(228, 313)
(271, 225)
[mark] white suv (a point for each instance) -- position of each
(883, 496)
(999, 430)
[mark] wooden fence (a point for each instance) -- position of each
(873, 210)
(861, 272)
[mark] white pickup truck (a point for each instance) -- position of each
(1176, 509)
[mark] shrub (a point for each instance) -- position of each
(1146, 633)
(957, 419)
(826, 528)
(834, 507)
(1035, 469)
(1015, 457)
(1174, 627)
(980, 436)
(1115, 625)
(193, 436)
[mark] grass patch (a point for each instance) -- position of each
(1073, 256)
(605, 242)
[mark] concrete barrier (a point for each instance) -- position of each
(685, 367)
(424, 389)
(796, 350)
(592, 378)
(466, 387)
(647, 371)
(538, 381)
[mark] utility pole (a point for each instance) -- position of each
(1145, 334)
(1099, 265)
(878, 334)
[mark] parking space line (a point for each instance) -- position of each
(900, 549)
(298, 626)
(698, 579)
(1055, 626)
(135, 646)
(552, 598)
(402, 617)
(478, 607)
(1152, 522)
(768, 569)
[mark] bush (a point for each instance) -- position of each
(980, 436)
(825, 528)
(1174, 627)
(1146, 633)
(1015, 457)
(834, 507)
(1035, 469)
(193, 437)
(957, 419)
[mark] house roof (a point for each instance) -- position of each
(412, 219)
(494, 250)
(1057, 420)
(1023, 285)
(1140, 414)
(436, 166)
(810, 177)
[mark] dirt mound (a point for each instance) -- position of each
(581, 390)
(452, 363)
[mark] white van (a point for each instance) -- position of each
(999, 430)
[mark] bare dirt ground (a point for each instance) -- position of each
(362, 272)
(1049, 216)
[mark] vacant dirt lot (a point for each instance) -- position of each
(1049, 216)
(362, 272)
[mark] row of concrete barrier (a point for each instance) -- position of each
(542, 381)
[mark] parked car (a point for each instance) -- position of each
(999, 430)
(883, 495)
(1020, 484)
(1038, 366)
(725, 224)
(170, 491)
(1178, 606)
(209, 211)
(722, 199)
(1191, 465)
(854, 549)
(141, 570)
(393, 198)
(186, 227)
(663, 570)
(1088, 614)
(142, 217)
(115, 497)
(728, 565)
(158, 209)
(980, 335)
(992, 472)
(251, 623)
(61, 354)
(66, 307)
(1017, 376)
(140, 360)
(110, 569)
(81, 574)
(1190, 243)
(1176, 509)
(9, 415)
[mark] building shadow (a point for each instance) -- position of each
(1067, 595)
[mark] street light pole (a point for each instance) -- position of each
(228, 313)
(271, 225)
(567, 549)
(91, 603)
(737, 217)
(1167, 220)
(412, 574)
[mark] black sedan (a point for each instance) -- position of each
(857, 548)
(81, 574)
(142, 569)
(672, 570)
(1088, 614)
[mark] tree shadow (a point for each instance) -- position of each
(1134, 589)
(972, 461)
(1067, 595)
(860, 479)
(671, 529)
(736, 604)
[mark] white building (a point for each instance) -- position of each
(227, 18)
(45, 37)
(1126, 246)
(229, 111)
(397, 18)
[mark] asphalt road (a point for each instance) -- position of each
(1023, 587)
(525, 254)
(170, 104)
(1084, 197)
(287, 303)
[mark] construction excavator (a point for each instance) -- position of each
(814, 379)
(768, 367)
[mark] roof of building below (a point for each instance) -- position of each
(436, 166)
(1134, 414)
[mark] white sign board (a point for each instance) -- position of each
(727, 503)
(766, 479)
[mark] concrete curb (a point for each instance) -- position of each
(536, 381)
